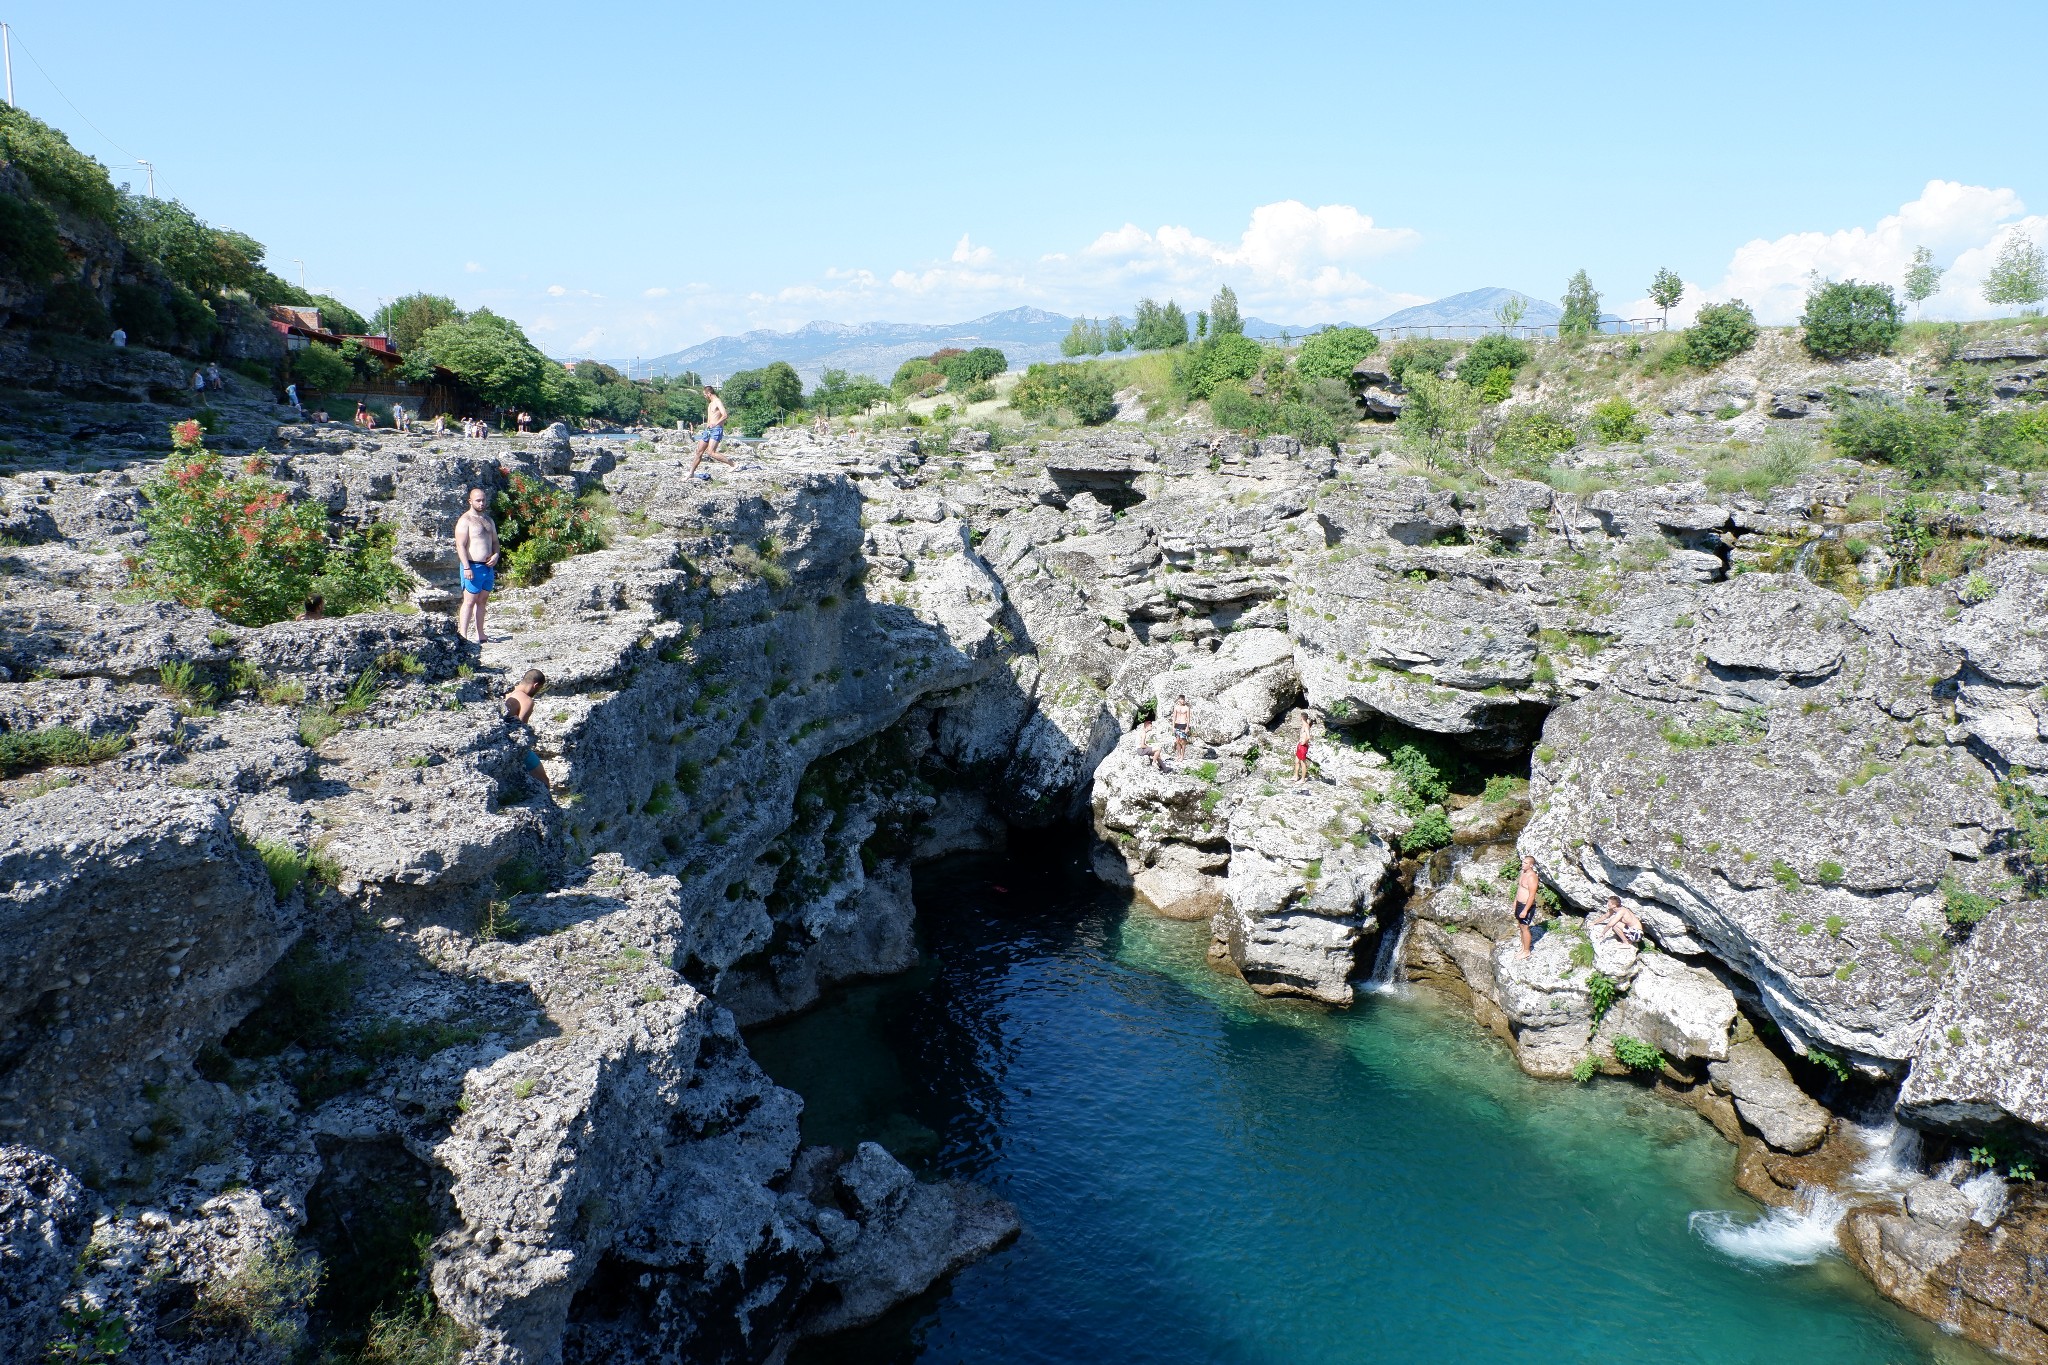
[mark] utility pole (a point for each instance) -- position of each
(149, 166)
(302, 271)
(7, 45)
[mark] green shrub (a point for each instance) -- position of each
(1421, 776)
(265, 1297)
(1828, 1062)
(1437, 414)
(540, 526)
(1637, 1055)
(1829, 873)
(55, 746)
(30, 249)
(1602, 991)
(320, 368)
(284, 864)
(55, 168)
(1534, 433)
(1310, 423)
(1846, 319)
(1234, 409)
(1420, 356)
(1085, 391)
(1219, 360)
(1721, 332)
(1962, 907)
(1494, 351)
(1497, 384)
(1615, 421)
(1332, 354)
(1923, 439)
(1432, 829)
(1585, 1069)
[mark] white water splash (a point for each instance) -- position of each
(1386, 962)
(1796, 1236)
(1891, 1161)
(1988, 1197)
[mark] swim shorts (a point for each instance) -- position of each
(716, 433)
(1301, 752)
(528, 759)
(479, 577)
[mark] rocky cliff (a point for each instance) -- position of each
(278, 986)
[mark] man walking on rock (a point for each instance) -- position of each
(1183, 717)
(476, 550)
(1525, 902)
(712, 433)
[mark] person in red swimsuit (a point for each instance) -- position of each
(1308, 727)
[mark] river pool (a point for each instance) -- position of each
(1207, 1176)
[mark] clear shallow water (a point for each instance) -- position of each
(1206, 1176)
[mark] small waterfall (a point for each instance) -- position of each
(1386, 960)
(1799, 1235)
(1988, 1197)
(1891, 1160)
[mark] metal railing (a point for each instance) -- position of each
(1455, 331)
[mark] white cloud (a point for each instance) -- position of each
(1962, 225)
(472, 268)
(1291, 264)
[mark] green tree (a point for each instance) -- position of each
(320, 369)
(839, 393)
(1494, 351)
(914, 376)
(336, 316)
(1436, 415)
(1083, 338)
(1510, 311)
(55, 169)
(977, 366)
(1201, 326)
(491, 357)
(1115, 336)
(1419, 356)
(1720, 332)
(209, 261)
(1923, 278)
(1224, 319)
(2019, 276)
(1581, 308)
(30, 250)
(1846, 318)
(1085, 391)
(405, 320)
(1331, 354)
(1666, 289)
(1158, 328)
(761, 398)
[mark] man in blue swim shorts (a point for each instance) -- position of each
(519, 710)
(476, 550)
(711, 433)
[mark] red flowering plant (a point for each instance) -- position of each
(237, 544)
(541, 526)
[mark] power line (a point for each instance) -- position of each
(75, 109)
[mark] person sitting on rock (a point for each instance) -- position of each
(316, 608)
(1147, 750)
(1620, 921)
(1525, 902)
(519, 710)
(1183, 717)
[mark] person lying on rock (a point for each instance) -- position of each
(1620, 921)
(519, 710)
(1525, 902)
(476, 550)
(1183, 717)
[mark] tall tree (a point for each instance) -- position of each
(1510, 312)
(1224, 319)
(1581, 308)
(1665, 291)
(1923, 278)
(405, 320)
(1115, 336)
(2020, 275)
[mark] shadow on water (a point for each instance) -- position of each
(1206, 1175)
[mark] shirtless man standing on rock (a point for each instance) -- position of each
(712, 433)
(476, 549)
(1525, 901)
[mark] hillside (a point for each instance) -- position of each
(1473, 308)
(1024, 335)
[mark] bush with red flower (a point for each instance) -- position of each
(234, 542)
(540, 526)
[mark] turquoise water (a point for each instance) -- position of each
(1206, 1176)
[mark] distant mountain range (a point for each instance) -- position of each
(1023, 335)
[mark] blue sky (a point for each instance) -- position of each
(629, 179)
